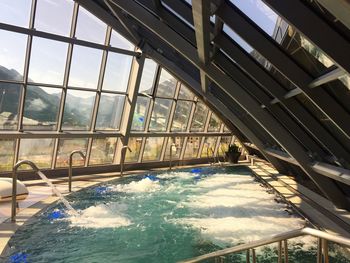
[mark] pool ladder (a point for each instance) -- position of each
(215, 160)
(323, 239)
(70, 170)
(122, 159)
(171, 154)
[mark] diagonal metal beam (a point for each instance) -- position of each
(201, 20)
(259, 40)
(315, 28)
(238, 94)
(339, 9)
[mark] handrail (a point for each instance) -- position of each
(171, 154)
(223, 153)
(70, 171)
(122, 159)
(212, 155)
(14, 185)
(276, 238)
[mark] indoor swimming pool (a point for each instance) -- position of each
(162, 217)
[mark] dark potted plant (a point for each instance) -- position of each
(233, 153)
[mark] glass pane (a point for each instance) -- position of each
(214, 123)
(15, 12)
(89, 27)
(225, 141)
(117, 72)
(135, 146)
(209, 143)
(153, 149)
(315, 52)
(242, 43)
(182, 111)
(78, 109)
(192, 147)
(185, 93)
(199, 118)
(120, 42)
(9, 101)
(167, 85)
(41, 108)
(260, 13)
(65, 147)
(85, 68)
(148, 74)
(110, 112)
(47, 61)
(54, 16)
(102, 150)
(226, 129)
(160, 115)
(39, 151)
(12, 55)
(7, 153)
(176, 150)
(139, 118)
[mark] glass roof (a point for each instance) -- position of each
(50, 89)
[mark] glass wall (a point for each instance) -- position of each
(63, 96)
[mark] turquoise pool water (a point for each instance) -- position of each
(161, 217)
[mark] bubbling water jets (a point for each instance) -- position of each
(146, 185)
(110, 215)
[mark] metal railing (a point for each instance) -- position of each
(122, 159)
(171, 154)
(14, 184)
(70, 171)
(281, 239)
(210, 149)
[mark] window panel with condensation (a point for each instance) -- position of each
(39, 151)
(65, 147)
(41, 108)
(135, 146)
(117, 72)
(192, 147)
(176, 149)
(110, 111)
(12, 55)
(209, 145)
(153, 149)
(85, 67)
(102, 150)
(160, 115)
(47, 61)
(166, 85)
(185, 93)
(148, 75)
(90, 28)
(214, 123)
(78, 110)
(120, 42)
(139, 117)
(9, 103)
(199, 117)
(182, 112)
(15, 12)
(54, 16)
(7, 153)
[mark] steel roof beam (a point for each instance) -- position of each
(315, 28)
(238, 94)
(266, 46)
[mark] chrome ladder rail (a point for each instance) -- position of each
(281, 239)
(122, 159)
(171, 154)
(70, 171)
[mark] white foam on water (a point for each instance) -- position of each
(231, 209)
(177, 175)
(101, 216)
(145, 185)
